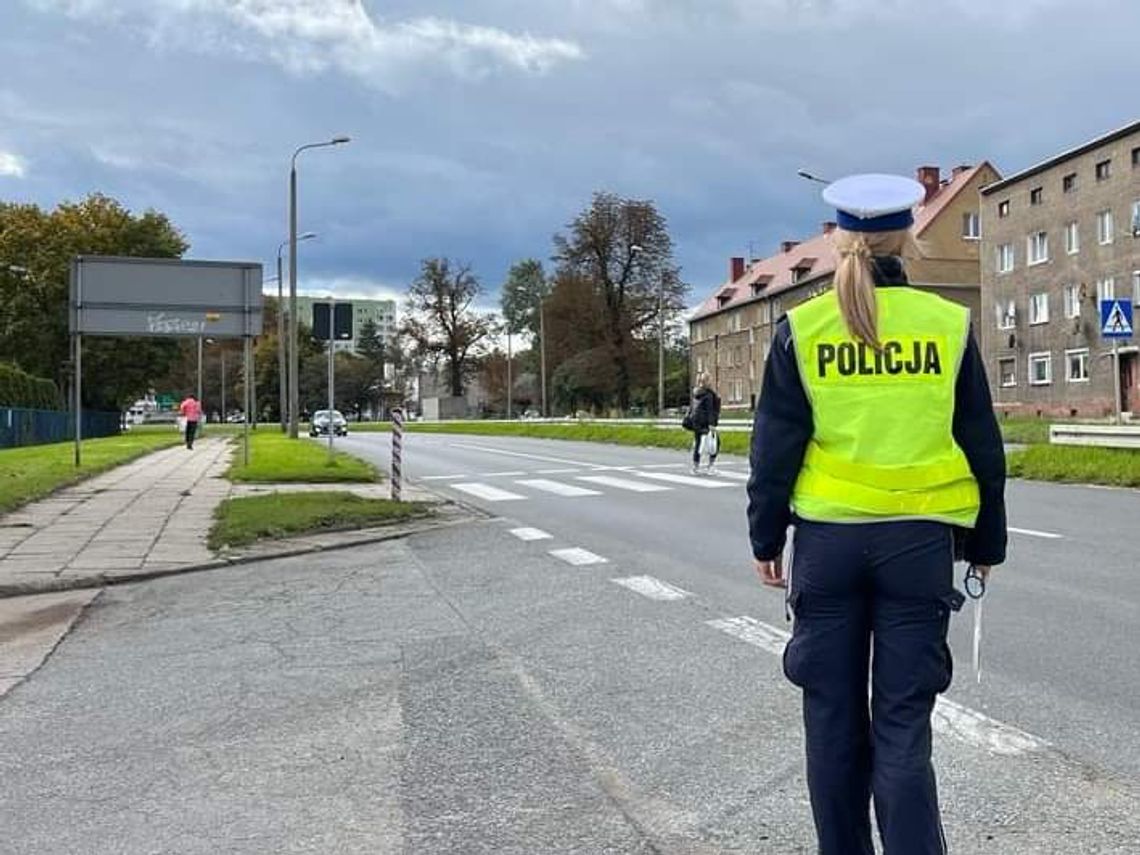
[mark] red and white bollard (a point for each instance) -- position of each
(397, 452)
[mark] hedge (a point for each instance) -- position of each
(21, 390)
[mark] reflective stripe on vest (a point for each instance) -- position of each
(883, 444)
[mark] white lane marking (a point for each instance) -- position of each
(687, 480)
(1048, 535)
(664, 466)
(575, 470)
(530, 534)
(540, 457)
(488, 493)
(557, 487)
(652, 588)
(578, 557)
(624, 484)
(768, 638)
(950, 719)
(736, 476)
(974, 728)
(442, 477)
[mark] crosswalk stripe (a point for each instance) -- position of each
(577, 556)
(557, 487)
(736, 476)
(624, 484)
(653, 588)
(487, 492)
(687, 480)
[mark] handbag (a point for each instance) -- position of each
(710, 443)
(687, 421)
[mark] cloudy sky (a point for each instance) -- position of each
(480, 127)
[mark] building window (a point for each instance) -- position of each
(1006, 315)
(1037, 251)
(1072, 238)
(1039, 308)
(1007, 372)
(1005, 258)
(1103, 170)
(1069, 183)
(1077, 362)
(1136, 157)
(1136, 287)
(1035, 196)
(1106, 289)
(1040, 369)
(1003, 209)
(1136, 219)
(1072, 301)
(971, 226)
(1104, 227)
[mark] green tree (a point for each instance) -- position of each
(441, 319)
(522, 296)
(36, 249)
(623, 249)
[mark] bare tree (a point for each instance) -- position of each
(622, 247)
(441, 320)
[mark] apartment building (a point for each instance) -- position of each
(381, 312)
(1057, 238)
(731, 332)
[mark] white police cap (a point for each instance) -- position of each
(874, 203)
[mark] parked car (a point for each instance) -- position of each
(319, 426)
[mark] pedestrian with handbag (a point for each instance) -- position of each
(702, 420)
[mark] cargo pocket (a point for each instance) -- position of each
(797, 652)
(938, 672)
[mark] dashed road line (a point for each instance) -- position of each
(736, 476)
(748, 629)
(531, 534)
(577, 556)
(1047, 535)
(653, 588)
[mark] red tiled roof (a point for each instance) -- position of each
(817, 254)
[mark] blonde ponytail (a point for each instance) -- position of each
(855, 278)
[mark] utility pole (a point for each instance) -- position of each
(542, 352)
(332, 374)
(661, 348)
(508, 374)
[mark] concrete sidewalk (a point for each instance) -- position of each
(152, 514)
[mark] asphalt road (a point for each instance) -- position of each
(580, 672)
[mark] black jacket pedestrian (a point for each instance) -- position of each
(783, 428)
(706, 410)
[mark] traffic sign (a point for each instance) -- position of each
(1116, 318)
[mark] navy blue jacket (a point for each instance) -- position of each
(783, 428)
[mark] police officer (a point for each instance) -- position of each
(875, 437)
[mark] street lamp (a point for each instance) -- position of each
(803, 173)
(294, 361)
(281, 384)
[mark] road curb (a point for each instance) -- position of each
(359, 537)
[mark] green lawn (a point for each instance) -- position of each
(30, 473)
(276, 459)
(1028, 431)
(1119, 467)
(242, 521)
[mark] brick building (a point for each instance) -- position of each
(1057, 238)
(732, 331)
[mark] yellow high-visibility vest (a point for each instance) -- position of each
(883, 445)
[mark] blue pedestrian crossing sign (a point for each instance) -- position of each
(1116, 318)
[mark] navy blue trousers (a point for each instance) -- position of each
(873, 601)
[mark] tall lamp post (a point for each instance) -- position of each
(294, 361)
(282, 386)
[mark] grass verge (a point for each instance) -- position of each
(32, 472)
(276, 459)
(1071, 464)
(241, 521)
(1027, 431)
(731, 442)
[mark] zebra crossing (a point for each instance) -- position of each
(579, 486)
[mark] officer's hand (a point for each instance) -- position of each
(983, 571)
(771, 573)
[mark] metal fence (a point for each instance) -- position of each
(36, 427)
